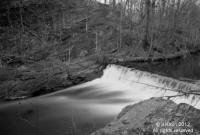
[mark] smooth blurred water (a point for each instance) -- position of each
(79, 110)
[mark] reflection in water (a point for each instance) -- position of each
(82, 109)
(179, 68)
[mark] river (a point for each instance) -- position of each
(84, 108)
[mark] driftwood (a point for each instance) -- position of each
(177, 55)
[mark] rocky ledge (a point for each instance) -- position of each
(154, 116)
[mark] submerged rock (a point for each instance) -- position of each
(154, 116)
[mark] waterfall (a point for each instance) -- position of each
(143, 85)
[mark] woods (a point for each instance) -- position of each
(165, 23)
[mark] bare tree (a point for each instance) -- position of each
(96, 42)
(21, 26)
(113, 3)
(69, 53)
(21, 15)
(145, 41)
(105, 1)
(120, 36)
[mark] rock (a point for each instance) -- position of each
(22, 68)
(154, 116)
(83, 53)
(125, 121)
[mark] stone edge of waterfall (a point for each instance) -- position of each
(154, 80)
(154, 116)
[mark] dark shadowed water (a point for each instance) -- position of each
(188, 67)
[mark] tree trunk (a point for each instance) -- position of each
(153, 6)
(22, 26)
(176, 12)
(21, 16)
(8, 17)
(96, 42)
(120, 36)
(113, 3)
(145, 41)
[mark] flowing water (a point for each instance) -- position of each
(82, 109)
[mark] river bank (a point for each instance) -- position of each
(46, 76)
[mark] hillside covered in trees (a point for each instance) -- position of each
(48, 45)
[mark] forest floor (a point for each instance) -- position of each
(50, 46)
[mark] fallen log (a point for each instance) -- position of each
(177, 55)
